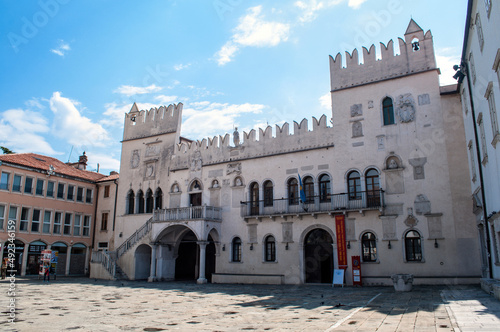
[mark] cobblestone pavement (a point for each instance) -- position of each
(79, 304)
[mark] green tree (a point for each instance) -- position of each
(6, 150)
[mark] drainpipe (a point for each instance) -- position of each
(481, 179)
(114, 209)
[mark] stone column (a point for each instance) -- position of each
(203, 247)
(68, 260)
(24, 261)
(335, 256)
(152, 273)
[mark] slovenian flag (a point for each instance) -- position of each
(301, 191)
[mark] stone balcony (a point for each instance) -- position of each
(190, 213)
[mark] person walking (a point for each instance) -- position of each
(46, 274)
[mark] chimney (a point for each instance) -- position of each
(82, 162)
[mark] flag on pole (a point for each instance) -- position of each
(301, 191)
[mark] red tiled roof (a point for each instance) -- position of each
(109, 178)
(40, 162)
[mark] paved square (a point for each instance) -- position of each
(80, 304)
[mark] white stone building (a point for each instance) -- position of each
(379, 184)
(480, 101)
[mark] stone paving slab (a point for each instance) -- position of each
(80, 304)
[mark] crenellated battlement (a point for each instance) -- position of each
(416, 55)
(156, 121)
(221, 149)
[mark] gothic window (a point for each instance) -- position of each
(268, 193)
(270, 249)
(236, 250)
(413, 247)
(158, 199)
(254, 198)
(388, 111)
(369, 247)
(372, 188)
(140, 201)
(130, 202)
(354, 185)
(324, 188)
(293, 192)
(309, 189)
(149, 201)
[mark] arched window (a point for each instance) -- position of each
(130, 202)
(268, 193)
(413, 247)
(140, 201)
(372, 188)
(149, 201)
(158, 199)
(293, 192)
(309, 189)
(388, 111)
(354, 183)
(369, 247)
(236, 249)
(254, 198)
(324, 188)
(270, 249)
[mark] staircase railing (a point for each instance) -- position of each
(105, 259)
(134, 238)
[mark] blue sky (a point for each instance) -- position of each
(71, 69)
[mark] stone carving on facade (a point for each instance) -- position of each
(196, 161)
(357, 129)
(370, 104)
(150, 170)
(406, 108)
(236, 137)
(356, 110)
(381, 142)
(418, 167)
(152, 150)
(422, 205)
(411, 221)
(287, 230)
(233, 168)
(424, 99)
(135, 159)
(238, 182)
(175, 188)
(215, 184)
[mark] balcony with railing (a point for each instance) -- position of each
(208, 213)
(331, 203)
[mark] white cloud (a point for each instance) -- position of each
(70, 125)
(446, 58)
(105, 161)
(62, 49)
(205, 119)
(253, 31)
(20, 131)
(356, 3)
(166, 100)
(182, 66)
(326, 101)
(130, 90)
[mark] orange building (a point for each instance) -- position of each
(47, 204)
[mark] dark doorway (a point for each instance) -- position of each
(210, 259)
(195, 199)
(185, 264)
(318, 257)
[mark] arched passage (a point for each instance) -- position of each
(142, 262)
(187, 256)
(318, 252)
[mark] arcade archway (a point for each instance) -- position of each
(318, 260)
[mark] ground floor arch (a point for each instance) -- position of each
(142, 262)
(318, 256)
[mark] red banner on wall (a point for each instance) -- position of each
(341, 242)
